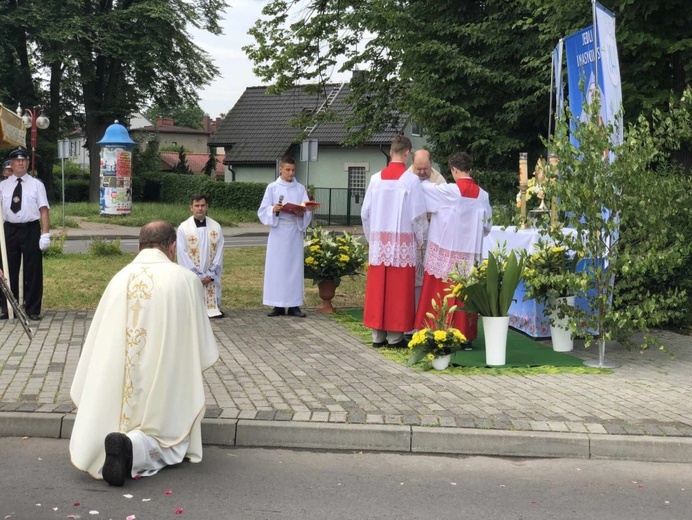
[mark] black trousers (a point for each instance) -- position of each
(22, 241)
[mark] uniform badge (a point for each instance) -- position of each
(16, 200)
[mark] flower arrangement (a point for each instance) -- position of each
(438, 338)
(331, 257)
(550, 272)
(488, 287)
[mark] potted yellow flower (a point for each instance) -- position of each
(438, 340)
(488, 289)
(328, 258)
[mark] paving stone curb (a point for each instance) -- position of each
(400, 439)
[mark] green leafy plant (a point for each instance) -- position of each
(331, 257)
(622, 207)
(550, 272)
(55, 248)
(438, 338)
(100, 247)
(489, 286)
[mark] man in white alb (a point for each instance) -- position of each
(138, 387)
(460, 219)
(200, 249)
(422, 166)
(283, 267)
(395, 226)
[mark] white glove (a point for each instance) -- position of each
(44, 241)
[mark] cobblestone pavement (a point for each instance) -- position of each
(314, 370)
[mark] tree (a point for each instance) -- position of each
(620, 201)
(456, 67)
(210, 166)
(187, 114)
(124, 53)
(182, 166)
(654, 49)
(475, 74)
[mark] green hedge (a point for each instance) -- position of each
(76, 190)
(174, 188)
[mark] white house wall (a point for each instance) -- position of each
(331, 168)
(248, 173)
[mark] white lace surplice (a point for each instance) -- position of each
(398, 225)
(457, 228)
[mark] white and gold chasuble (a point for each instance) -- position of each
(201, 251)
(142, 361)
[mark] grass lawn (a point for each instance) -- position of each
(143, 212)
(76, 281)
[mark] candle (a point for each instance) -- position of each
(523, 168)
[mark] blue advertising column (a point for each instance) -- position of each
(116, 171)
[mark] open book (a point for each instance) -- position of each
(289, 207)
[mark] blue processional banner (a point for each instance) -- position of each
(609, 70)
(582, 60)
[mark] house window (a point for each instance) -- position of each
(415, 130)
(356, 181)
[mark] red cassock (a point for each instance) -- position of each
(390, 286)
(435, 287)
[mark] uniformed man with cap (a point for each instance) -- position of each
(25, 212)
(6, 170)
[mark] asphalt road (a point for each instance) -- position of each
(38, 482)
(129, 245)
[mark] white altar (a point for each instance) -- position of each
(526, 316)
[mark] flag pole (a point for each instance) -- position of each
(595, 46)
(550, 110)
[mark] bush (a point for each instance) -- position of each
(173, 188)
(76, 190)
(99, 247)
(72, 171)
(56, 245)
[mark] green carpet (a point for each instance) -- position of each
(522, 351)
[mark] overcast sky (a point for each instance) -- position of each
(226, 51)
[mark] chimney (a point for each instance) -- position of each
(358, 76)
(206, 123)
(164, 122)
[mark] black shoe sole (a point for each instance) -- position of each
(118, 464)
(379, 344)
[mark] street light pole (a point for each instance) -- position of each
(35, 118)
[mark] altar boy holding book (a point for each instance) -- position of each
(283, 267)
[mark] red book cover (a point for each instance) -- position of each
(289, 207)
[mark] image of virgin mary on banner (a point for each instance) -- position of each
(599, 70)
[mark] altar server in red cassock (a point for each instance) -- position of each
(460, 219)
(395, 225)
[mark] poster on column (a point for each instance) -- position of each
(116, 178)
(581, 60)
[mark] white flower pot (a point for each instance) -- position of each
(495, 330)
(440, 363)
(560, 334)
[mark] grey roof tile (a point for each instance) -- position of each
(260, 127)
